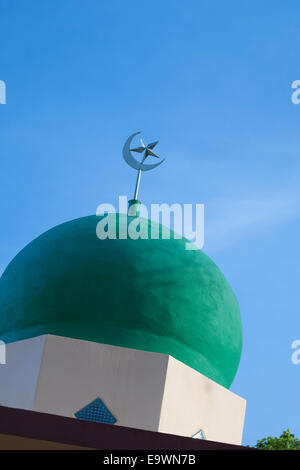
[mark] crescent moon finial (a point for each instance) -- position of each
(146, 151)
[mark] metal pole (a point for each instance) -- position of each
(137, 184)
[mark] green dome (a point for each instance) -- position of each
(147, 294)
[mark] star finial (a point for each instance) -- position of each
(147, 149)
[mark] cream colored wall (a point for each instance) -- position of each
(143, 390)
(191, 402)
(130, 382)
(18, 377)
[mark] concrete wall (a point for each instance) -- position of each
(192, 401)
(19, 376)
(143, 390)
(75, 372)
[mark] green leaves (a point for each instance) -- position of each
(286, 441)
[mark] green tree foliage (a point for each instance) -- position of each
(286, 441)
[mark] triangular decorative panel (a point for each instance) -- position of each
(97, 412)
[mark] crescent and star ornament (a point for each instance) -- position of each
(147, 151)
(131, 161)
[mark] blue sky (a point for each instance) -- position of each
(212, 81)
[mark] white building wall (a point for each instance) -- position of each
(192, 402)
(143, 390)
(129, 382)
(19, 376)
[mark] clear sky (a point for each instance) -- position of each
(212, 81)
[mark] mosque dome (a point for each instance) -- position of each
(146, 294)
